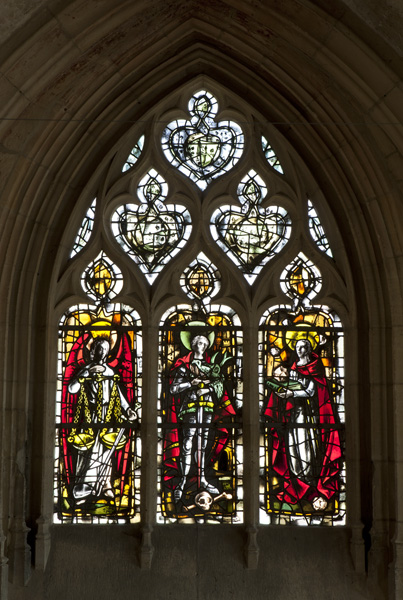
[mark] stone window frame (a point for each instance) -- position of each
(292, 189)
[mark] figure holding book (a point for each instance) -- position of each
(306, 453)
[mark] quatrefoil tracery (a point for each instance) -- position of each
(153, 232)
(200, 147)
(250, 234)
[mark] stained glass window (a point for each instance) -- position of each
(301, 280)
(201, 279)
(200, 147)
(201, 389)
(271, 156)
(84, 233)
(200, 399)
(250, 234)
(316, 230)
(134, 155)
(301, 358)
(102, 280)
(98, 406)
(153, 232)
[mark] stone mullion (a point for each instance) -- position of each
(149, 442)
(251, 441)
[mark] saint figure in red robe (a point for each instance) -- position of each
(306, 451)
(97, 398)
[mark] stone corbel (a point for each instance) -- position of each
(146, 549)
(379, 560)
(357, 548)
(251, 548)
(396, 569)
(42, 543)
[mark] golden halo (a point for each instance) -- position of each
(200, 328)
(293, 336)
(104, 333)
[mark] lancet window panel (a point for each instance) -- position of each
(98, 415)
(200, 449)
(301, 396)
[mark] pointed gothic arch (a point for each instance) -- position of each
(154, 225)
(47, 181)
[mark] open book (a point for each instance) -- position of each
(280, 386)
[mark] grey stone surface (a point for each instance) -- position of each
(76, 78)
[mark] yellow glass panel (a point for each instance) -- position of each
(300, 280)
(199, 282)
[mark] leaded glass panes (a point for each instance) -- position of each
(84, 233)
(316, 230)
(201, 280)
(200, 433)
(301, 280)
(102, 280)
(301, 389)
(98, 413)
(153, 232)
(200, 147)
(300, 361)
(250, 234)
(271, 156)
(134, 155)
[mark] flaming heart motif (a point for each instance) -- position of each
(249, 234)
(151, 233)
(201, 148)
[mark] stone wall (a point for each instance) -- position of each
(75, 76)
